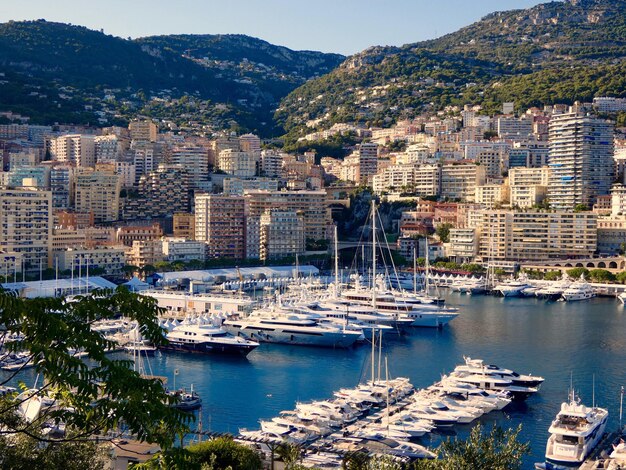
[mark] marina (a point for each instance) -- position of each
(529, 335)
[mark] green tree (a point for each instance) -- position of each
(473, 268)
(443, 232)
(581, 208)
(221, 453)
(601, 275)
(97, 396)
(290, 454)
(28, 452)
(498, 450)
(621, 277)
(129, 270)
(552, 275)
(575, 273)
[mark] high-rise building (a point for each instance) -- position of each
(145, 131)
(195, 159)
(79, 149)
(62, 186)
(459, 180)
(162, 193)
(534, 235)
(242, 164)
(312, 204)
(250, 143)
(184, 225)
(220, 223)
(281, 234)
(98, 192)
(581, 160)
(368, 161)
(108, 147)
(26, 225)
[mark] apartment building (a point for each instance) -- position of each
(126, 235)
(26, 225)
(236, 163)
(145, 252)
(535, 236)
(98, 192)
(82, 259)
(281, 234)
(181, 249)
(184, 225)
(581, 160)
(312, 204)
(459, 180)
(77, 149)
(143, 131)
(220, 224)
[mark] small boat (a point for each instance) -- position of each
(186, 400)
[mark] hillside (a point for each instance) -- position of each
(60, 72)
(554, 52)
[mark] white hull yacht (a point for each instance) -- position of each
(575, 432)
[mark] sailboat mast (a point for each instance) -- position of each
(414, 270)
(427, 266)
(373, 253)
(373, 354)
(387, 387)
(336, 263)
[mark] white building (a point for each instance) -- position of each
(180, 249)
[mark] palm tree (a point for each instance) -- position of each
(290, 454)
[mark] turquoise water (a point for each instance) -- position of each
(531, 336)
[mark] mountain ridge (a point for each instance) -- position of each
(382, 84)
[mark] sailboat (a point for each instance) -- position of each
(423, 310)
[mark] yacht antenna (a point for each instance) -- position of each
(373, 253)
(414, 271)
(336, 264)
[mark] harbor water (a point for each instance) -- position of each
(557, 340)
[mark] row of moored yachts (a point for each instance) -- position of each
(387, 416)
(563, 289)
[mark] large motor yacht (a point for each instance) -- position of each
(574, 433)
(206, 339)
(478, 366)
(511, 288)
(579, 290)
(272, 327)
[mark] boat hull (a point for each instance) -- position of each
(268, 335)
(209, 348)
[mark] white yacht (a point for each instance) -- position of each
(206, 339)
(489, 382)
(273, 327)
(511, 288)
(579, 290)
(478, 366)
(622, 297)
(555, 290)
(575, 432)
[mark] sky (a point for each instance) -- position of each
(342, 26)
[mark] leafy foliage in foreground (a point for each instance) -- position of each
(96, 394)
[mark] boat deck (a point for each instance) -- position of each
(591, 462)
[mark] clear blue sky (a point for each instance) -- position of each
(343, 26)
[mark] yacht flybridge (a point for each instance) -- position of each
(478, 366)
(574, 433)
